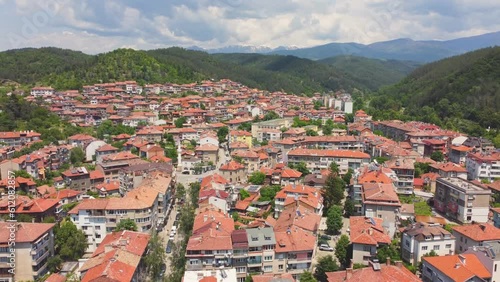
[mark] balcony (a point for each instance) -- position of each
(254, 261)
(194, 267)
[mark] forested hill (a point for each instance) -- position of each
(461, 92)
(67, 69)
(372, 73)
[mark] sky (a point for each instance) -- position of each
(95, 26)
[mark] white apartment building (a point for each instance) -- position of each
(42, 91)
(317, 160)
(420, 239)
(98, 217)
(483, 166)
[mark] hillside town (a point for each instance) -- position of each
(216, 181)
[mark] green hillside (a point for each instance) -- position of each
(66, 69)
(461, 92)
(372, 73)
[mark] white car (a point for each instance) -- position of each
(326, 247)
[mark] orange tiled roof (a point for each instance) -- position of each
(459, 267)
(387, 273)
(364, 232)
(479, 232)
(25, 231)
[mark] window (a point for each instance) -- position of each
(407, 243)
(424, 248)
(366, 248)
(436, 248)
(448, 246)
(268, 258)
(280, 267)
(268, 268)
(241, 269)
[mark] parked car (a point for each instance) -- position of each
(169, 247)
(176, 223)
(326, 237)
(326, 247)
(162, 270)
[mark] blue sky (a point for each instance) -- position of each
(95, 26)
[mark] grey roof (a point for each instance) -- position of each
(258, 237)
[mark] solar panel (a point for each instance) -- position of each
(298, 213)
(372, 221)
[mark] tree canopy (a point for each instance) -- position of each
(126, 224)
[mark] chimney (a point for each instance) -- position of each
(398, 264)
(457, 265)
(388, 261)
(205, 217)
(482, 226)
(348, 273)
(462, 259)
(370, 231)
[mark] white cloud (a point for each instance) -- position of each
(85, 24)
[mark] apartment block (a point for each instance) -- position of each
(210, 246)
(261, 246)
(19, 138)
(421, 238)
(98, 217)
(381, 201)
(405, 171)
(462, 200)
(34, 245)
(316, 160)
(483, 166)
(261, 130)
(295, 249)
(298, 195)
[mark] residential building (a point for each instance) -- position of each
(150, 151)
(449, 169)
(471, 235)
(37, 208)
(34, 245)
(208, 153)
(405, 171)
(295, 249)
(131, 177)
(216, 275)
(240, 136)
(80, 140)
(103, 151)
(348, 143)
(19, 138)
(433, 145)
(77, 179)
(377, 272)
(261, 250)
(458, 154)
(300, 195)
(240, 253)
(487, 254)
(464, 267)
(234, 172)
(381, 201)
(249, 158)
(483, 166)
(118, 258)
(366, 235)
(462, 200)
(42, 91)
(273, 278)
(421, 238)
(210, 245)
(260, 130)
(317, 160)
(97, 217)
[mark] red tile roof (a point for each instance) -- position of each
(55, 277)
(25, 232)
(459, 267)
(479, 232)
(362, 231)
(387, 273)
(329, 153)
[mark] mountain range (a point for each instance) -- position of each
(399, 49)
